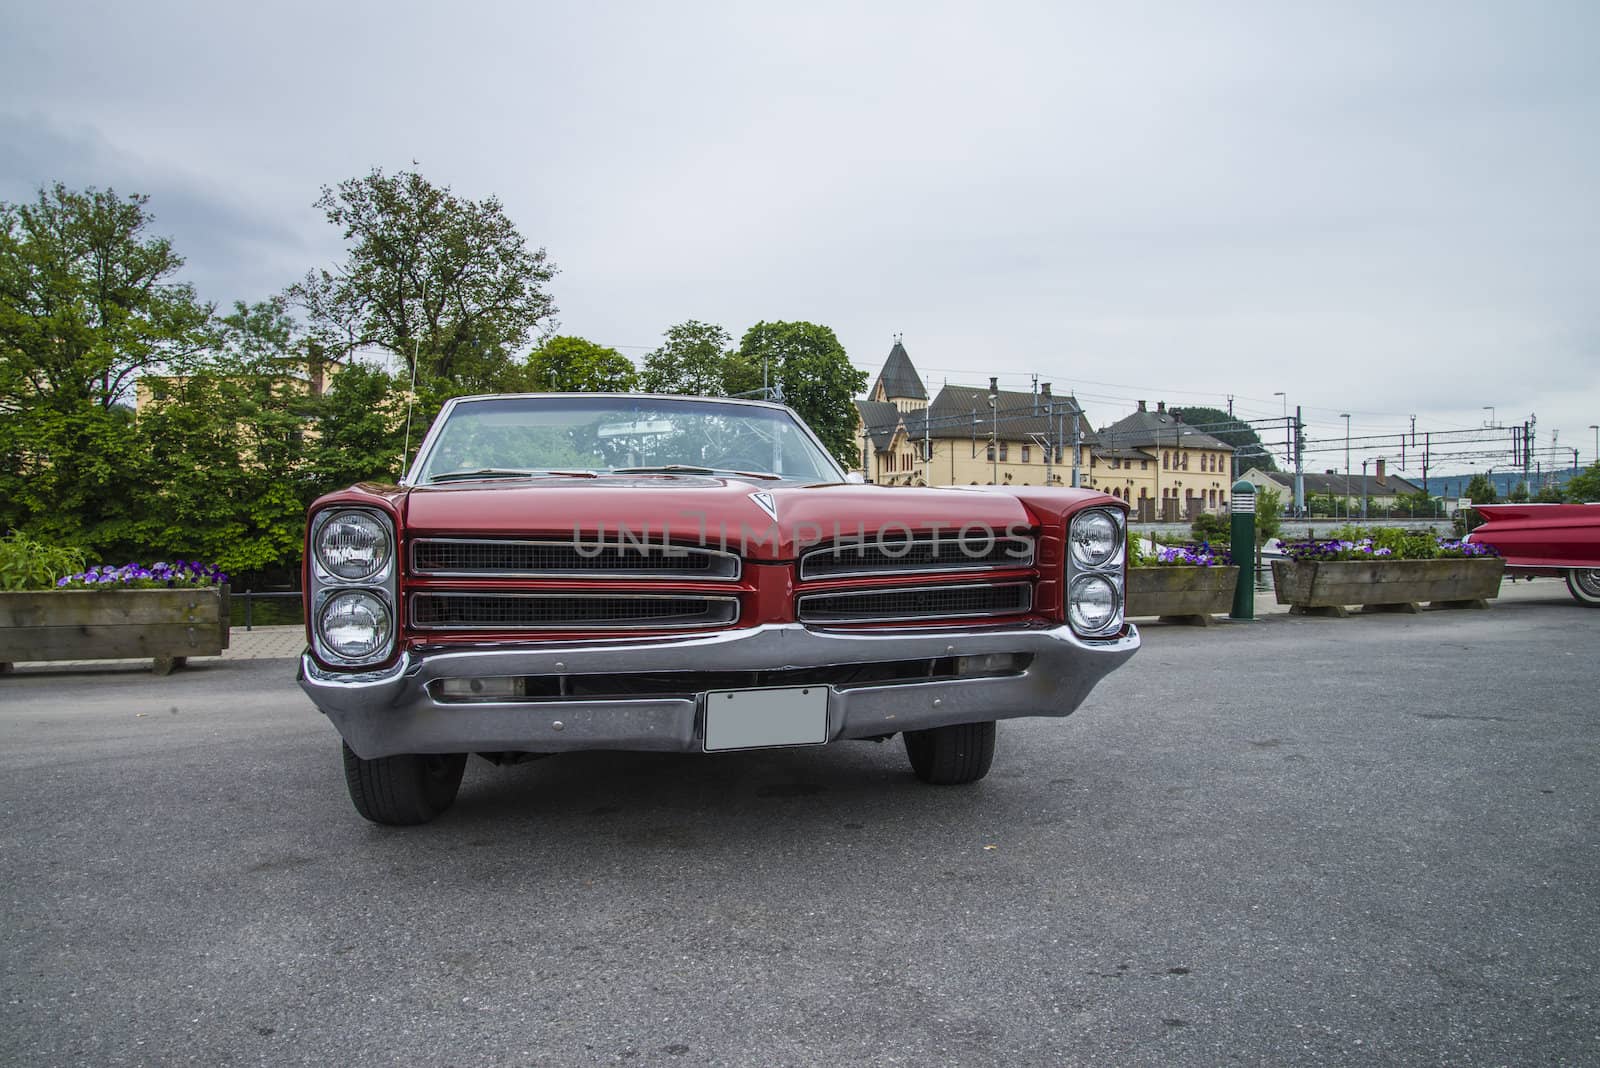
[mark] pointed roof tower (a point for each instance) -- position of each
(899, 380)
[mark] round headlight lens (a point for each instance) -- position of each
(1094, 538)
(353, 545)
(1093, 605)
(355, 626)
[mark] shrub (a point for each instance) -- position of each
(26, 564)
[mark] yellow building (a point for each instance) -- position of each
(1155, 456)
(967, 435)
(310, 376)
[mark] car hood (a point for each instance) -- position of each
(760, 519)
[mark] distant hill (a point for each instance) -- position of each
(1504, 482)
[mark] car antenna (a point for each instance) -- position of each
(411, 397)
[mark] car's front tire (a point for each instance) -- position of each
(404, 790)
(950, 756)
(1584, 585)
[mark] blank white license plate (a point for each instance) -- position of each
(761, 719)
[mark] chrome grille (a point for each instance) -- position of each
(461, 557)
(908, 556)
(569, 611)
(919, 603)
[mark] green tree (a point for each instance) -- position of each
(695, 359)
(225, 451)
(810, 368)
(1584, 487)
(1419, 503)
(1518, 494)
(447, 285)
(1224, 427)
(1550, 495)
(359, 431)
(574, 365)
(88, 300)
(1480, 490)
(1269, 517)
(88, 303)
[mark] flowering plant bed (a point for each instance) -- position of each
(1181, 583)
(167, 612)
(1393, 571)
(1178, 594)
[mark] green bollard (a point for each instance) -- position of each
(1243, 507)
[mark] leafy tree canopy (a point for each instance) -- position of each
(88, 300)
(447, 285)
(1584, 487)
(574, 365)
(807, 363)
(695, 359)
(1480, 490)
(1224, 427)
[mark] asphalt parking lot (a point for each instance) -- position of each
(1298, 841)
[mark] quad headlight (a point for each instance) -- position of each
(353, 545)
(355, 626)
(1094, 603)
(1095, 578)
(354, 583)
(1096, 539)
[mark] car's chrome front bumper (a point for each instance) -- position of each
(382, 713)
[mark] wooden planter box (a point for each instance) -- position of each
(1325, 587)
(1181, 594)
(168, 626)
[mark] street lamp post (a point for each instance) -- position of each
(994, 431)
(1346, 417)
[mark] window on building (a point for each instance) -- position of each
(1185, 461)
(1166, 460)
(1005, 449)
(1144, 465)
(1027, 454)
(989, 453)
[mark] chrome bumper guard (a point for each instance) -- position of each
(383, 713)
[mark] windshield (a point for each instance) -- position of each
(506, 436)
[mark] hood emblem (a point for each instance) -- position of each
(765, 502)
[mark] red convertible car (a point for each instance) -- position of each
(561, 572)
(1547, 539)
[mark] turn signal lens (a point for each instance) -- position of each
(355, 626)
(1094, 539)
(353, 545)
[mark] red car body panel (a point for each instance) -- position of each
(722, 512)
(1547, 537)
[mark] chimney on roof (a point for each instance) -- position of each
(1142, 407)
(1161, 406)
(1330, 471)
(1383, 471)
(1177, 416)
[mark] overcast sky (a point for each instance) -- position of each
(1383, 209)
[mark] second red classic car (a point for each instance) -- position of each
(1561, 540)
(562, 572)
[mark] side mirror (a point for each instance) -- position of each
(855, 478)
